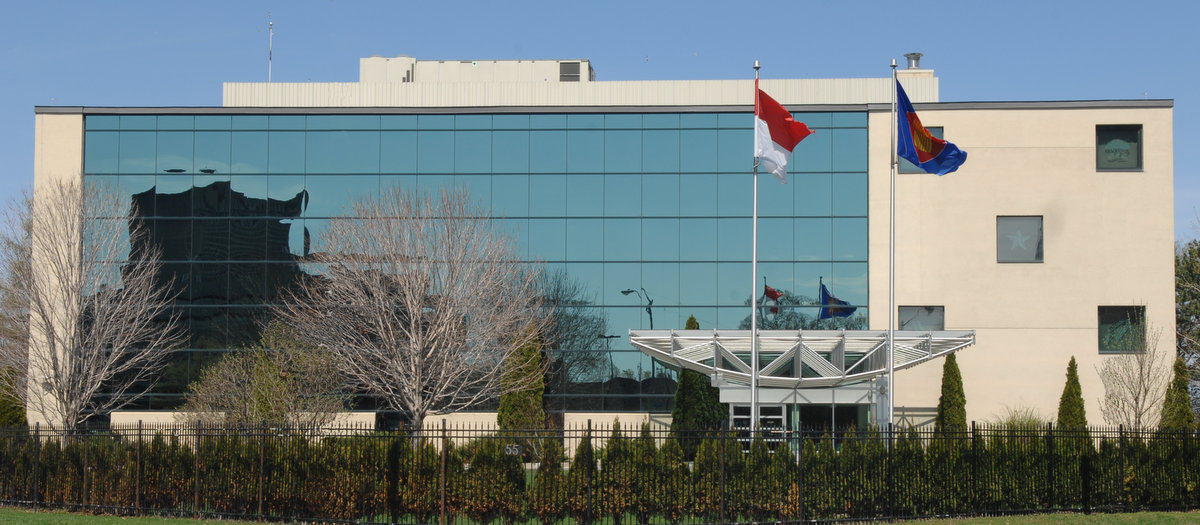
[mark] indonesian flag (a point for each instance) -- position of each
(775, 134)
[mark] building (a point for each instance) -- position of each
(1056, 233)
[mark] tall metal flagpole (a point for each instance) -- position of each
(754, 287)
(891, 338)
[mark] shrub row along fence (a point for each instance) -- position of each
(593, 475)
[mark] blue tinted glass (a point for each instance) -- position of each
(585, 195)
(210, 241)
(212, 152)
(547, 121)
(174, 152)
(622, 151)
(774, 199)
(698, 151)
(405, 182)
(849, 282)
(286, 196)
(733, 286)
(473, 122)
(472, 152)
(210, 283)
(136, 154)
(856, 119)
(777, 274)
(213, 122)
(135, 185)
(661, 281)
(317, 231)
(362, 122)
(696, 239)
(139, 122)
(660, 121)
(735, 120)
(478, 186)
(548, 239)
(585, 121)
(547, 151)
(814, 239)
(585, 151)
(808, 276)
(698, 120)
(734, 239)
(247, 283)
(589, 276)
(398, 152)
(700, 280)
(849, 149)
(622, 276)
(248, 195)
(172, 198)
(735, 150)
(247, 239)
(622, 239)
(248, 152)
(660, 195)
(735, 193)
(814, 153)
(510, 151)
(249, 122)
(517, 232)
(773, 237)
(434, 183)
(210, 195)
(332, 195)
(814, 120)
(660, 239)
(734, 317)
(661, 151)
(286, 152)
(520, 122)
(342, 152)
(698, 195)
(435, 121)
(584, 239)
(100, 151)
(106, 184)
(108, 122)
(547, 195)
(295, 122)
(623, 195)
(814, 193)
(850, 239)
(435, 151)
(850, 194)
(403, 122)
(623, 121)
(510, 195)
(175, 122)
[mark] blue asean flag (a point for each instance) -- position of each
(915, 143)
(832, 306)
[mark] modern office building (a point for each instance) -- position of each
(1056, 233)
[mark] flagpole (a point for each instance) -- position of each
(754, 287)
(891, 338)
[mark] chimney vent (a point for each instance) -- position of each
(914, 60)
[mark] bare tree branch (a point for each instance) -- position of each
(1135, 382)
(420, 298)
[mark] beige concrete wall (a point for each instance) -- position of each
(1108, 241)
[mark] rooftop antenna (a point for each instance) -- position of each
(270, 44)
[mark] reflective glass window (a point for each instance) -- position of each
(517, 232)
(698, 195)
(622, 239)
(848, 281)
(850, 194)
(850, 239)
(294, 122)
(548, 239)
(209, 326)
(735, 150)
(660, 239)
(402, 122)
(510, 195)
(618, 277)
(697, 239)
(280, 239)
(175, 238)
(623, 195)
(661, 281)
(848, 119)
(735, 194)
(814, 239)
(247, 283)
(585, 239)
(660, 151)
(547, 151)
(210, 195)
(244, 325)
(100, 151)
(589, 275)
(435, 121)
(734, 239)
(735, 120)
(338, 122)
(248, 195)
(210, 239)
(623, 151)
(248, 152)
(849, 149)
(405, 182)
(174, 152)
(813, 193)
(212, 152)
(698, 120)
(1119, 148)
(342, 152)
(286, 152)
(139, 122)
(697, 150)
(173, 195)
(1019, 239)
(585, 151)
(213, 122)
(585, 121)
(286, 197)
(1122, 329)
(479, 187)
(923, 318)
(773, 239)
(510, 152)
(548, 121)
(247, 239)
(776, 274)
(333, 195)
(210, 283)
(137, 152)
(398, 152)
(733, 284)
(774, 199)
(660, 195)
(433, 183)
(249, 122)
(696, 288)
(435, 152)
(660, 121)
(97, 122)
(519, 122)
(473, 122)
(585, 195)
(472, 152)
(813, 154)
(547, 195)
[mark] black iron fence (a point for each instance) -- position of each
(596, 475)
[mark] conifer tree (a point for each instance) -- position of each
(698, 406)
(1071, 413)
(523, 388)
(1177, 409)
(952, 405)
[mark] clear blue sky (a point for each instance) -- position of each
(157, 53)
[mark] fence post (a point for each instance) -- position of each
(891, 469)
(974, 499)
(83, 473)
(37, 459)
(196, 471)
(442, 477)
(721, 487)
(1121, 474)
(590, 468)
(262, 451)
(137, 484)
(1051, 478)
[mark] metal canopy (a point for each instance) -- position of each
(797, 358)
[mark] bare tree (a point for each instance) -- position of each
(1135, 382)
(281, 381)
(98, 315)
(575, 336)
(14, 307)
(420, 298)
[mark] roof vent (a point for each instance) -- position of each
(914, 60)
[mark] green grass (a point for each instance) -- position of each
(25, 516)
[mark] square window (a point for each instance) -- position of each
(1119, 148)
(1122, 329)
(907, 167)
(1019, 239)
(922, 318)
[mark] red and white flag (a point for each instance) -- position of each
(775, 134)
